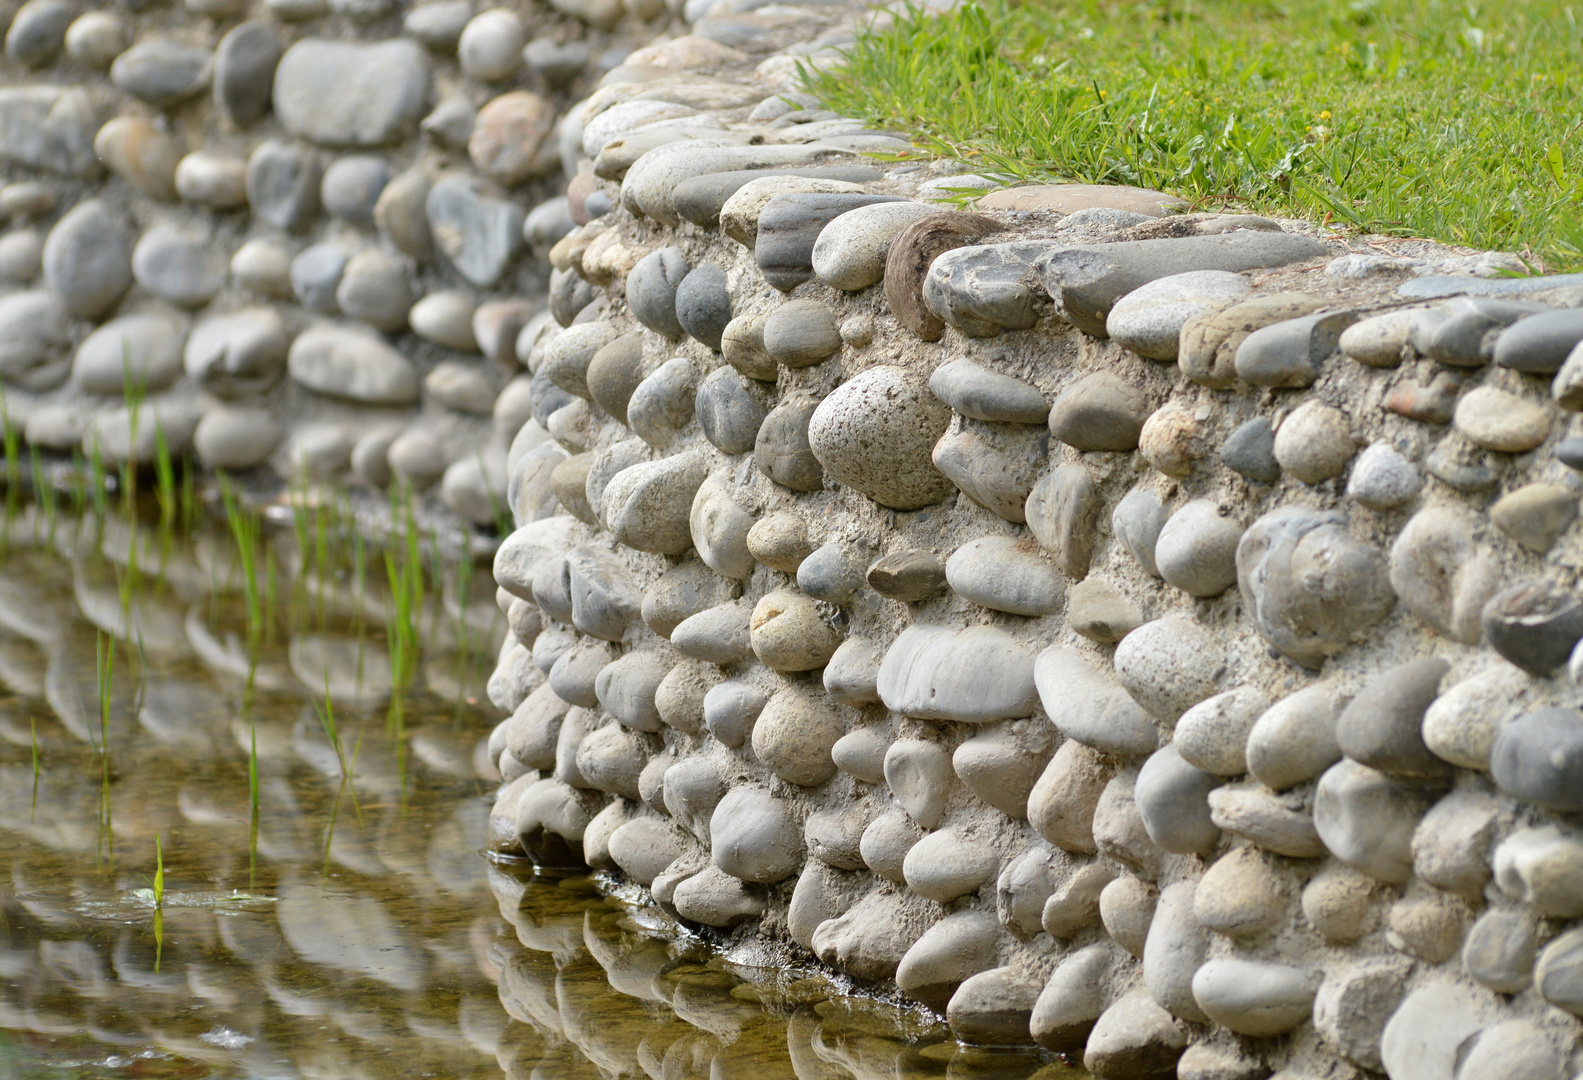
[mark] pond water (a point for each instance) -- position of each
(287, 753)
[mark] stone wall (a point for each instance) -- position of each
(1143, 633)
(1147, 633)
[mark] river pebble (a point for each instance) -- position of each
(1382, 479)
(1534, 624)
(1290, 353)
(1099, 412)
(875, 432)
(1535, 515)
(1500, 421)
(982, 394)
(86, 260)
(800, 333)
(703, 304)
(651, 290)
(850, 251)
(1197, 549)
(1149, 320)
(971, 676)
(1173, 799)
(1367, 818)
(1538, 758)
(1137, 522)
(1314, 443)
(1381, 727)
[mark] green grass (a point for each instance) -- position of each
(1454, 121)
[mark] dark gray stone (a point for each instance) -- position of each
(1534, 624)
(1569, 452)
(781, 450)
(555, 63)
(244, 72)
(598, 204)
(38, 30)
(651, 290)
(788, 227)
(283, 185)
(982, 394)
(1173, 800)
(1463, 333)
(1085, 282)
(544, 397)
(162, 72)
(1250, 451)
(1538, 758)
(1290, 353)
(700, 198)
(1307, 615)
(703, 304)
(352, 94)
(1383, 725)
(1540, 343)
(352, 186)
(570, 293)
(833, 572)
(316, 273)
(730, 410)
(986, 289)
(479, 235)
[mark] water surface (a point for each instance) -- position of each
(296, 718)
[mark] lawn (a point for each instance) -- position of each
(1454, 121)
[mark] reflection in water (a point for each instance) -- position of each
(357, 931)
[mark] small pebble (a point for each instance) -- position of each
(1502, 422)
(800, 333)
(1534, 624)
(1382, 479)
(1099, 412)
(1137, 521)
(1314, 443)
(1535, 515)
(1250, 451)
(908, 576)
(1196, 550)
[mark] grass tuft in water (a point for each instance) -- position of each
(1418, 118)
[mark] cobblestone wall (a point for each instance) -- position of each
(1145, 633)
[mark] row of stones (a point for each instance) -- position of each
(326, 92)
(701, 313)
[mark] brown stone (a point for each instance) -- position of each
(512, 139)
(1070, 198)
(577, 191)
(1209, 342)
(1432, 404)
(141, 154)
(914, 251)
